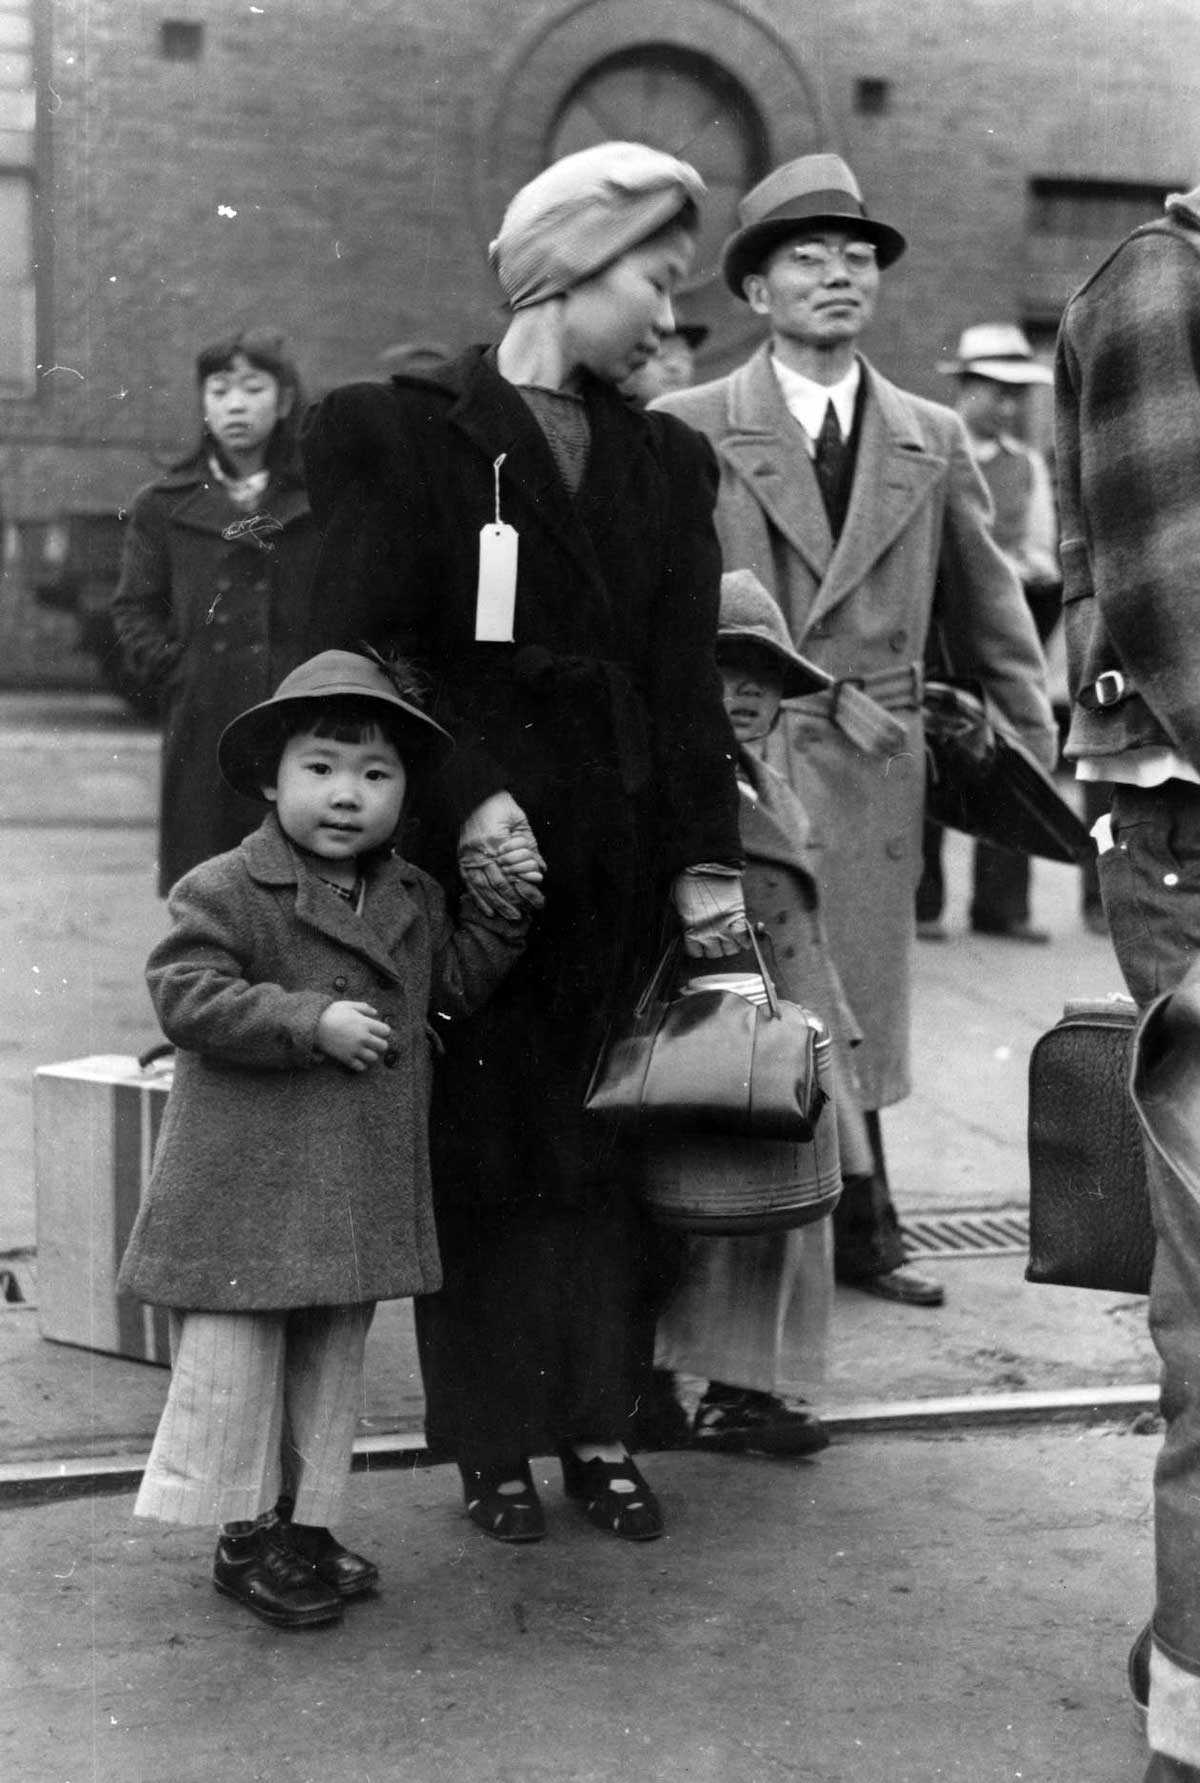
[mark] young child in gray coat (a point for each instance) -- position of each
(290, 1188)
(750, 1314)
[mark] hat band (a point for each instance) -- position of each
(831, 202)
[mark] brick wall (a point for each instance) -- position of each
(364, 151)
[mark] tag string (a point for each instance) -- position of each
(496, 463)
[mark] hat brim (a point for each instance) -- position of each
(800, 676)
(998, 371)
(245, 741)
(747, 248)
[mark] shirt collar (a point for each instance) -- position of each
(806, 400)
(983, 451)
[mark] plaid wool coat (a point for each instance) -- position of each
(1128, 441)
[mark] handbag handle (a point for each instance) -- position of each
(768, 981)
(670, 951)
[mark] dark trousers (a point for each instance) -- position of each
(1097, 799)
(866, 1227)
(1150, 883)
(1000, 895)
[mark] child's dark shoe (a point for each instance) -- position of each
(262, 1570)
(739, 1421)
(614, 1495)
(493, 1506)
(346, 1573)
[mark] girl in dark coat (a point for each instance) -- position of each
(210, 609)
(579, 681)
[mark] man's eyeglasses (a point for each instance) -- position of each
(816, 260)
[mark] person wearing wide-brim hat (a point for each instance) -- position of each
(854, 502)
(291, 1183)
(248, 749)
(751, 1315)
(995, 368)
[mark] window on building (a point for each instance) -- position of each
(681, 103)
(18, 109)
(1094, 210)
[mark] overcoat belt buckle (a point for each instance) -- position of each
(1109, 688)
(844, 681)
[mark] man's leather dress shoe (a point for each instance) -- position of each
(1012, 931)
(903, 1285)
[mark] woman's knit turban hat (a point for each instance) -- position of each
(582, 213)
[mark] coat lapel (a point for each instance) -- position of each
(205, 507)
(764, 446)
(894, 474)
(496, 420)
(390, 908)
(774, 826)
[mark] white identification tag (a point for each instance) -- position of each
(496, 594)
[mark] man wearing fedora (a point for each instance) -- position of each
(995, 370)
(854, 501)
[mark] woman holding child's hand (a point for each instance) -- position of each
(546, 554)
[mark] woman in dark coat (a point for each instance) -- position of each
(211, 607)
(595, 720)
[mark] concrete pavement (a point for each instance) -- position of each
(903, 1609)
(77, 806)
(897, 1611)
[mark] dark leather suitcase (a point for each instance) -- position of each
(1089, 1212)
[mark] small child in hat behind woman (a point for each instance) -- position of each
(751, 1314)
(290, 1188)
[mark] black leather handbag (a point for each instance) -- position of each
(709, 1061)
(1089, 1211)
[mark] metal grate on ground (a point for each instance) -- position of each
(982, 1232)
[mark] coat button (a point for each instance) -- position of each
(896, 848)
(340, 983)
(898, 639)
(391, 1057)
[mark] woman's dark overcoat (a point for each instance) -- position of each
(603, 718)
(282, 1178)
(212, 623)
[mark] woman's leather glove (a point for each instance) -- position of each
(712, 910)
(499, 860)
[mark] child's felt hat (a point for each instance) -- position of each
(334, 674)
(748, 613)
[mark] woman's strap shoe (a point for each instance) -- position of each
(262, 1570)
(614, 1495)
(505, 1516)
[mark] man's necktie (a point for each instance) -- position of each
(829, 462)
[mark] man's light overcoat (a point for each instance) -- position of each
(918, 524)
